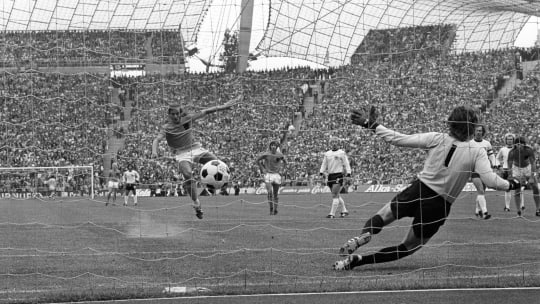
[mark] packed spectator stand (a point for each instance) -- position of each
(55, 119)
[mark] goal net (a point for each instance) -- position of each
(40, 182)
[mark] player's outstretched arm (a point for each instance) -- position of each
(222, 107)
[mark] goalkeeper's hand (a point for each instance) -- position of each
(514, 184)
(359, 117)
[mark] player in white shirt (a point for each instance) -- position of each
(130, 179)
(481, 205)
(336, 166)
(502, 161)
(451, 159)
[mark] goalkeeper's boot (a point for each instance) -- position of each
(199, 213)
(354, 243)
(348, 263)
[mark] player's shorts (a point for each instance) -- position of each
(192, 155)
(522, 174)
(334, 178)
(112, 185)
(52, 188)
(272, 178)
(130, 187)
(428, 208)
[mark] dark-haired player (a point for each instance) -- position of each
(271, 164)
(522, 165)
(179, 135)
(113, 184)
(130, 179)
(451, 159)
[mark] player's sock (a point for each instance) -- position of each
(135, 200)
(507, 199)
(384, 255)
(335, 203)
(481, 199)
(343, 207)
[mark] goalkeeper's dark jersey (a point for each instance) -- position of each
(449, 162)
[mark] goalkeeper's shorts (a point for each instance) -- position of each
(428, 208)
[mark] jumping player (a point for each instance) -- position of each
(522, 165)
(336, 164)
(449, 164)
(179, 135)
(271, 164)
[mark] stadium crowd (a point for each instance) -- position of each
(56, 119)
(84, 48)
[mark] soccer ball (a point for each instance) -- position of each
(215, 173)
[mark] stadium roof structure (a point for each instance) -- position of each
(321, 31)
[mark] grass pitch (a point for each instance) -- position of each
(77, 249)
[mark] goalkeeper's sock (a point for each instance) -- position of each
(387, 254)
(335, 203)
(343, 208)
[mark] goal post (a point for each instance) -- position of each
(33, 180)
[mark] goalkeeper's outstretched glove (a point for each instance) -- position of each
(514, 184)
(359, 117)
